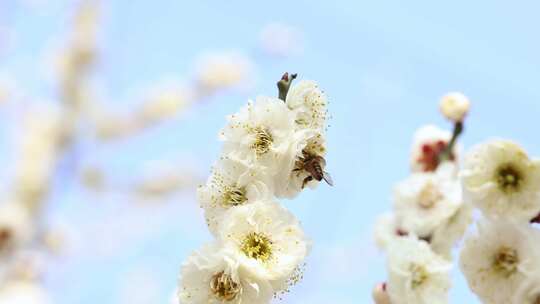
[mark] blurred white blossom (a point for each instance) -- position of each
(111, 126)
(498, 258)
(38, 144)
(23, 292)
(93, 177)
(221, 70)
(386, 230)
(160, 178)
(426, 199)
(83, 40)
(16, 227)
(416, 274)
(499, 178)
(450, 231)
(164, 102)
(429, 218)
(27, 264)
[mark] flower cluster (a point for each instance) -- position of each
(429, 216)
(272, 148)
(500, 258)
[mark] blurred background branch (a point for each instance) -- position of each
(55, 138)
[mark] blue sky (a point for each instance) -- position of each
(383, 64)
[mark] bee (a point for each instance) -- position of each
(314, 166)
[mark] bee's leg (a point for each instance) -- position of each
(298, 171)
(307, 180)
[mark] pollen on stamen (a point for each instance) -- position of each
(224, 287)
(509, 178)
(296, 277)
(229, 195)
(505, 261)
(257, 246)
(419, 275)
(263, 140)
(317, 107)
(234, 196)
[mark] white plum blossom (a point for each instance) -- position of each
(233, 182)
(272, 148)
(268, 240)
(309, 104)
(416, 274)
(426, 199)
(498, 258)
(262, 132)
(265, 133)
(428, 142)
(499, 178)
(455, 106)
(442, 240)
(214, 275)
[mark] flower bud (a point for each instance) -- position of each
(380, 296)
(455, 106)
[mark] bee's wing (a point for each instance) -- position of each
(322, 161)
(327, 178)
